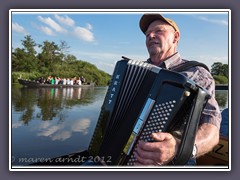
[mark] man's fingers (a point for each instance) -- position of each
(161, 136)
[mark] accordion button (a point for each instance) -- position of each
(187, 93)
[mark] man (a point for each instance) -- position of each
(162, 37)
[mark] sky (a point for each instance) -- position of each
(102, 37)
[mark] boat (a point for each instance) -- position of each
(219, 156)
(29, 83)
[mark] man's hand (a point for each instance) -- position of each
(159, 152)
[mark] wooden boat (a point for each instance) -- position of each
(29, 83)
(218, 156)
(220, 153)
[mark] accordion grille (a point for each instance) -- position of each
(135, 73)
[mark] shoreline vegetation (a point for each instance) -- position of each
(54, 60)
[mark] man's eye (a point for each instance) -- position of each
(159, 31)
(147, 33)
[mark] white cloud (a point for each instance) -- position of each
(52, 24)
(89, 26)
(221, 22)
(16, 125)
(83, 34)
(47, 31)
(17, 28)
(81, 125)
(49, 131)
(61, 135)
(44, 125)
(64, 130)
(65, 20)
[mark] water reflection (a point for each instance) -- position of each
(222, 98)
(48, 122)
(64, 130)
(48, 103)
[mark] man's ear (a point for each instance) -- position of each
(176, 37)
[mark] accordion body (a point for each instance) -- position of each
(142, 99)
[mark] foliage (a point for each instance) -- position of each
(52, 60)
(221, 98)
(219, 69)
(25, 75)
(219, 79)
(220, 72)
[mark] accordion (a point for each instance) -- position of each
(142, 99)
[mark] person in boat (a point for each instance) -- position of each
(56, 79)
(64, 81)
(78, 81)
(40, 80)
(162, 37)
(82, 80)
(52, 80)
(48, 81)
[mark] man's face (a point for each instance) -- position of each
(160, 38)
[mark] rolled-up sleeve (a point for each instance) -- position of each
(211, 113)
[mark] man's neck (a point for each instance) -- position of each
(157, 60)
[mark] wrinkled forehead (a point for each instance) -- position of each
(157, 24)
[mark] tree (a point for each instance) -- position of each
(18, 60)
(24, 59)
(70, 58)
(219, 69)
(225, 70)
(220, 72)
(49, 55)
(29, 45)
(63, 49)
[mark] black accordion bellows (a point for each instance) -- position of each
(143, 99)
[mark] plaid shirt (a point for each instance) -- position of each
(211, 113)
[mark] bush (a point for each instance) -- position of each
(219, 79)
(24, 75)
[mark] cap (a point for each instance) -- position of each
(147, 19)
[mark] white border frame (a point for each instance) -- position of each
(117, 11)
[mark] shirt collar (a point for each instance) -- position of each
(172, 60)
(169, 62)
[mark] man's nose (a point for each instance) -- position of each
(151, 35)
